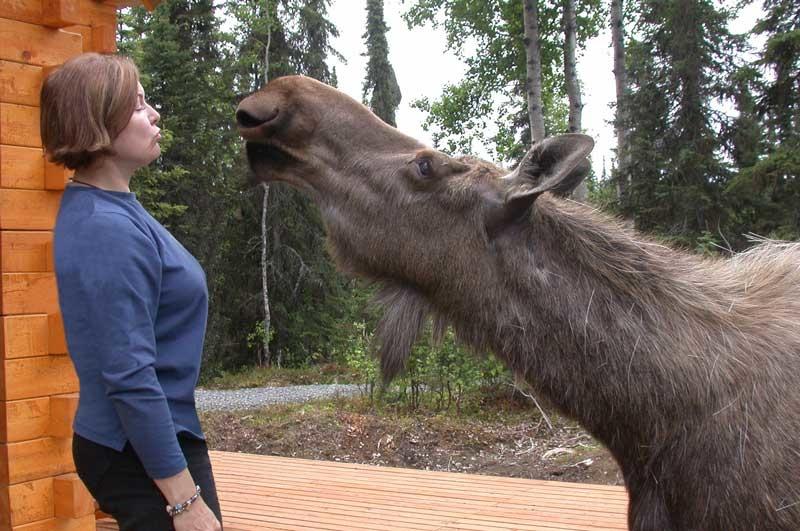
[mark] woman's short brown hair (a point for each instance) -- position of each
(85, 104)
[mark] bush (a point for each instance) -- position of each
(443, 374)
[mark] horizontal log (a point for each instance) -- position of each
(104, 38)
(98, 13)
(62, 413)
(41, 525)
(57, 340)
(26, 502)
(61, 13)
(56, 176)
(20, 83)
(23, 420)
(36, 459)
(28, 209)
(27, 293)
(84, 523)
(24, 10)
(36, 45)
(21, 167)
(19, 125)
(37, 377)
(24, 336)
(58, 13)
(25, 251)
(86, 35)
(72, 500)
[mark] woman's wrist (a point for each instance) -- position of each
(177, 488)
(182, 507)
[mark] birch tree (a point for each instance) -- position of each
(533, 61)
(266, 358)
(570, 25)
(620, 82)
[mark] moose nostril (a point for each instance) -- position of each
(245, 119)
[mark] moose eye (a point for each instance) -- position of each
(425, 167)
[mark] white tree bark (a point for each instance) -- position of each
(621, 81)
(570, 26)
(533, 81)
(267, 358)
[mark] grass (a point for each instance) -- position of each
(329, 373)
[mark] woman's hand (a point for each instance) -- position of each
(197, 517)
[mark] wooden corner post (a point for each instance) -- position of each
(38, 386)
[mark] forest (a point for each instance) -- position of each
(707, 130)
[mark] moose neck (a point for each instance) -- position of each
(617, 332)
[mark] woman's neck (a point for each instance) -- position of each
(105, 175)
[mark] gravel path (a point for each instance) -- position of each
(210, 400)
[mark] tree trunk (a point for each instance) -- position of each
(264, 286)
(533, 82)
(620, 78)
(570, 27)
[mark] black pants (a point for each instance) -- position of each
(122, 488)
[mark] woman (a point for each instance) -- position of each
(134, 304)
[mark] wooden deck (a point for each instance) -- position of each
(264, 492)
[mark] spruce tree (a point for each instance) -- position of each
(381, 90)
(679, 66)
(780, 102)
(765, 195)
(177, 48)
(305, 292)
(313, 41)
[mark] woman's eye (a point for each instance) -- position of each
(425, 167)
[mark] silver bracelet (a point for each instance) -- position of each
(175, 510)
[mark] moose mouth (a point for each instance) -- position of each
(267, 162)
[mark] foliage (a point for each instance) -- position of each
(194, 74)
(679, 66)
(440, 371)
(488, 106)
(247, 377)
(765, 197)
(698, 176)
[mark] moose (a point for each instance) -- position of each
(685, 367)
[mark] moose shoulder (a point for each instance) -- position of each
(685, 368)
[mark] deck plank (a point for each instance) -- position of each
(277, 493)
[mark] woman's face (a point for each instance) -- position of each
(137, 144)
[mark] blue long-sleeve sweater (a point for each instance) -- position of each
(134, 303)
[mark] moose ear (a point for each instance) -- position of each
(556, 164)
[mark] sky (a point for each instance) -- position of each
(423, 67)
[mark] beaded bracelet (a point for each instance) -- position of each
(175, 510)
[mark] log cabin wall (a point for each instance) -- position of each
(39, 490)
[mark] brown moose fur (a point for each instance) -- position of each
(685, 368)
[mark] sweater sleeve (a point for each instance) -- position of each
(121, 279)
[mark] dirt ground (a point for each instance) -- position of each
(503, 438)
